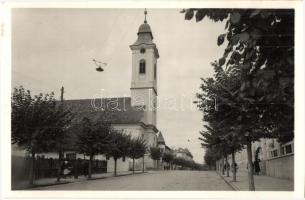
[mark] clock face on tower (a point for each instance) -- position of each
(142, 50)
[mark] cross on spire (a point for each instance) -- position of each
(145, 13)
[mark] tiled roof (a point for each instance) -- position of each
(112, 110)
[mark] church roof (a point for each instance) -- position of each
(111, 110)
(144, 35)
(106, 110)
(145, 28)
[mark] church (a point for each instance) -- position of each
(135, 115)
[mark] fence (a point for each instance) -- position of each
(47, 167)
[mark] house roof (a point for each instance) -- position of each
(184, 151)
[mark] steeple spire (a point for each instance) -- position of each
(145, 13)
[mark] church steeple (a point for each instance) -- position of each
(144, 71)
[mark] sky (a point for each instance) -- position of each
(52, 48)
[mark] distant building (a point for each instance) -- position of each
(183, 153)
(277, 160)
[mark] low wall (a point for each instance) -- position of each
(281, 167)
(122, 165)
(48, 167)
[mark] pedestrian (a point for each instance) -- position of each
(65, 169)
(227, 168)
(234, 166)
(257, 168)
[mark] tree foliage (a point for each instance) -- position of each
(120, 147)
(211, 156)
(137, 148)
(95, 138)
(32, 120)
(251, 95)
(155, 153)
(168, 157)
(38, 123)
(260, 47)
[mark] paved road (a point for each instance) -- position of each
(156, 180)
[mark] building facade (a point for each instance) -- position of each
(276, 159)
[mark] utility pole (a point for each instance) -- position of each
(62, 94)
(60, 150)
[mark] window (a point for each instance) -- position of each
(282, 150)
(142, 50)
(155, 71)
(274, 153)
(142, 67)
(288, 149)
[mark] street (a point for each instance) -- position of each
(155, 180)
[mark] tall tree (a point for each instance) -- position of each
(120, 147)
(34, 120)
(137, 150)
(260, 44)
(210, 157)
(155, 154)
(94, 139)
(168, 157)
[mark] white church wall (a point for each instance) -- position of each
(122, 165)
(150, 137)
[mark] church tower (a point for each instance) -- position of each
(144, 73)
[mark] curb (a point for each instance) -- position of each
(228, 183)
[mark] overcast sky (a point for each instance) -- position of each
(55, 47)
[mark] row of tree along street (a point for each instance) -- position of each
(41, 124)
(173, 161)
(251, 95)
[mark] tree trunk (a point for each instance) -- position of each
(250, 167)
(227, 167)
(90, 167)
(133, 165)
(143, 167)
(32, 169)
(223, 165)
(115, 163)
(59, 165)
(234, 166)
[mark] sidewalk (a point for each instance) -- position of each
(262, 183)
(52, 181)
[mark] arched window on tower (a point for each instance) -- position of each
(142, 67)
